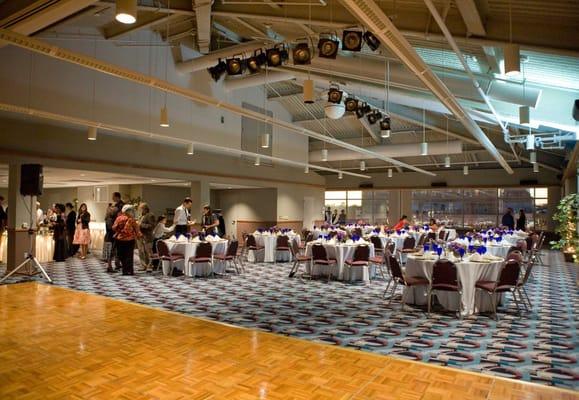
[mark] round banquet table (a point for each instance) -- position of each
(189, 248)
(44, 249)
(498, 249)
(97, 235)
(341, 252)
(468, 274)
(268, 241)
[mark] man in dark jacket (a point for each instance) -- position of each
(147, 223)
(70, 224)
(508, 219)
(221, 226)
(110, 248)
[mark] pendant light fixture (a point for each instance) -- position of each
(524, 111)
(533, 157)
(389, 172)
(307, 169)
(535, 167)
(340, 175)
(511, 52)
(324, 154)
(447, 162)
(126, 11)
(190, 149)
(447, 157)
(92, 133)
(257, 162)
(424, 149)
(309, 91)
(530, 143)
(362, 165)
(385, 124)
(265, 141)
(164, 118)
(424, 144)
(465, 170)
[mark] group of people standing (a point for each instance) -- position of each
(333, 218)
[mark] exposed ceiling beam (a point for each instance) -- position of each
(471, 17)
(115, 29)
(85, 61)
(371, 130)
(160, 9)
(203, 18)
(283, 19)
(249, 26)
(227, 33)
(492, 60)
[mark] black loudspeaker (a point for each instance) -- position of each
(576, 110)
(528, 182)
(366, 185)
(31, 180)
(438, 184)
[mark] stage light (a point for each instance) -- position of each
(335, 95)
(302, 54)
(352, 40)
(371, 40)
(276, 56)
(255, 62)
(126, 11)
(351, 104)
(374, 117)
(217, 71)
(385, 127)
(328, 48)
(363, 109)
(234, 66)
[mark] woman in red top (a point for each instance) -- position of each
(126, 232)
(401, 224)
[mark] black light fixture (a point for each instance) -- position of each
(234, 66)
(276, 56)
(352, 40)
(335, 95)
(218, 70)
(328, 48)
(385, 127)
(351, 104)
(363, 109)
(255, 62)
(374, 117)
(302, 54)
(371, 40)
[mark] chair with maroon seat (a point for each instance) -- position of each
(320, 258)
(166, 255)
(507, 283)
(390, 246)
(445, 279)
(398, 278)
(359, 260)
(408, 246)
(203, 255)
(515, 254)
(251, 245)
(442, 235)
(379, 261)
(431, 236)
(377, 242)
(231, 257)
(298, 260)
(421, 240)
(282, 245)
(523, 282)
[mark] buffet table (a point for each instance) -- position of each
(469, 272)
(189, 248)
(341, 252)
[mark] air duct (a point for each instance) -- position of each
(204, 62)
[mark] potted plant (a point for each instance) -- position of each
(566, 217)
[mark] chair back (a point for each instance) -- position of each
(431, 236)
(232, 248)
(362, 253)
(309, 237)
(391, 246)
(409, 243)
(541, 240)
(444, 274)
(421, 240)
(294, 248)
(395, 269)
(319, 252)
(528, 272)
(442, 234)
(357, 231)
(282, 241)
(377, 242)
(204, 249)
(250, 241)
(509, 276)
(163, 249)
(515, 254)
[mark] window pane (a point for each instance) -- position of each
(381, 207)
(541, 193)
(480, 208)
(355, 194)
(337, 195)
(443, 205)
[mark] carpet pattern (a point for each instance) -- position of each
(540, 346)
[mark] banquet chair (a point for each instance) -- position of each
(390, 246)
(537, 247)
(357, 231)
(431, 236)
(408, 246)
(523, 282)
(166, 255)
(515, 254)
(421, 240)
(298, 259)
(230, 257)
(203, 255)
(251, 245)
(445, 278)
(398, 278)
(379, 261)
(442, 235)
(320, 257)
(282, 244)
(377, 242)
(507, 282)
(360, 258)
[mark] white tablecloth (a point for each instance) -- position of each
(499, 250)
(189, 249)
(268, 241)
(97, 235)
(44, 247)
(468, 274)
(342, 252)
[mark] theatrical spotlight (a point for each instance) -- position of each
(371, 40)
(352, 40)
(385, 127)
(234, 66)
(374, 117)
(302, 54)
(328, 48)
(218, 70)
(335, 95)
(351, 104)
(276, 56)
(255, 62)
(363, 109)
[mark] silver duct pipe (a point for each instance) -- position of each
(204, 62)
(242, 82)
(394, 150)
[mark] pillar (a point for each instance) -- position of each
(19, 221)
(200, 194)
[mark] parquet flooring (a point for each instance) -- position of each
(56, 343)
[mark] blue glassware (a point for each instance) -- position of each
(470, 248)
(426, 248)
(461, 252)
(439, 251)
(470, 239)
(483, 249)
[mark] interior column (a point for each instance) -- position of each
(200, 194)
(19, 221)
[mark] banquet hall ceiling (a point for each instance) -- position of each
(546, 31)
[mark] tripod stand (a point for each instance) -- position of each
(30, 255)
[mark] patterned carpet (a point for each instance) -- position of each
(541, 346)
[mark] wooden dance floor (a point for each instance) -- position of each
(58, 343)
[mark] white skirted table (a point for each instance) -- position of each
(498, 249)
(342, 252)
(189, 249)
(269, 241)
(469, 272)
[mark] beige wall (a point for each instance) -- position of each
(160, 198)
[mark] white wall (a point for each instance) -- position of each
(247, 204)
(160, 198)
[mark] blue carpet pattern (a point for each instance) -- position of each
(540, 346)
